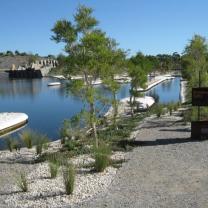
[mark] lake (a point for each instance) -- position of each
(47, 107)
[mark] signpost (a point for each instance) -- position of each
(199, 129)
(200, 96)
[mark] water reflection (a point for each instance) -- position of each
(47, 106)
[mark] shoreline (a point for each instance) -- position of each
(43, 190)
(124, 107)
(157, 80)
(183, 90)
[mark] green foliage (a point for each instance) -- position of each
(138, 80)
(53, 168)
(41, 142)
(102, 157)
(9, 144)
(27, 138)
(195, 61)
(21, 182)
(187, 116)
(170, 107)
(90, 54)
(70, 145)
(69, 178)
(72, 129)
(9, 53)
(12, 144)
(158, 110)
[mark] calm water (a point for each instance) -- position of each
(47, 106)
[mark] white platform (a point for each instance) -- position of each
(54, 83)
(144, 102)
(10, 120)
(157, 80)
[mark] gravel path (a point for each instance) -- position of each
(167, 169)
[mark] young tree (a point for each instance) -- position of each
(138, 77)
(196, 58)
(88, 50)
(116, 66)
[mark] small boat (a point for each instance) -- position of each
(59, 77)
(12, 121)
(54, 83)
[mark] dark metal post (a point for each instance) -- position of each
(199, 110)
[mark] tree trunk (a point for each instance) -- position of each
(115, 110)
(131, 103)
(93, 123)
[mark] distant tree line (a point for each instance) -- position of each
(17, 53)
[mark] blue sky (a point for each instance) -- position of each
(150, 26)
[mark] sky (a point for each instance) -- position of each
(149, 26)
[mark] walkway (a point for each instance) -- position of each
(167, 169)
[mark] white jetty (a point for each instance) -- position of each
(124, 105)
(54, 84)
(12, 121)
(156, 81)
(143, 102)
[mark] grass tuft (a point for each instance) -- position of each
(53, 168)
(27, 137)
(69, 178)
(102, 157)
(22, 182)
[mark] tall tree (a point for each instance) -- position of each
(195, 58)
(88, 50)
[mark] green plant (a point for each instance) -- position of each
(22, 182)
(102, 157)
(70, 145)
(27, 137)
(53, 168)
(170, 107)
(158, 110)
(176, 106)
(64, 131)
(187, 116)
(69, 178)
(41, 142)
(12, 144)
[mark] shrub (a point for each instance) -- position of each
(53, 168)
(159, 110)
(187, 116)
(64, 132)
(12, 143)
(27, 137)
(22, 182)
(70, 145)
(69, 178)
(102, 157)
(41, 142)
(176, 106)
(170, 108)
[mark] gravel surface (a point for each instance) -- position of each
(45, 192)
(167, 169)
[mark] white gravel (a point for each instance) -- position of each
(45, 192)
